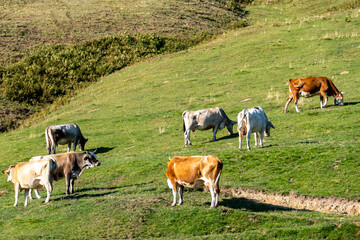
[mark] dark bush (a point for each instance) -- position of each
(53, 71)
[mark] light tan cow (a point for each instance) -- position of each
(31, 175)
(194, 172)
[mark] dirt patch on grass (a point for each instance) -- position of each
(299, 202)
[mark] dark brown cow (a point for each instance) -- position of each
(311, 86)
(194, 172)
(70, 165)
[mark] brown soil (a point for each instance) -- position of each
(298, 202)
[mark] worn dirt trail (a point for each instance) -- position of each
(296, 202)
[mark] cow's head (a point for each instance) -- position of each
(339, 99)
(90, 160)
(9, 173)
(268, 126)
(230, 124)
(82, 143)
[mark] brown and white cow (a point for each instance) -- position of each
(205, 119)
(64, 134)
(70, 166)
(194, 172)
(311, 86)
(31, 175)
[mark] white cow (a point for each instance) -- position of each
(31, 175)
(205, 119)
(253, 120)
(64, 134)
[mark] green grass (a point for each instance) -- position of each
(133, 117)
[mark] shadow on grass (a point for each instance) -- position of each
(253, 205)
(78, 195)
(102, 149)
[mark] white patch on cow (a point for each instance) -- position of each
(169, 184)
(198, 183)
(307, 94)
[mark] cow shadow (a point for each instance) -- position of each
(232, 136)
(351, 103)
(104, 191)
(337, 105)
(77, 196)
(102, 149)
(254, 206)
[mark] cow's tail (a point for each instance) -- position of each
(48, 145)
(219, 167)
(241, 118)
(297, 86)
(53, 165)
(183, 118)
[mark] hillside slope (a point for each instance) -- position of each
(133, 118)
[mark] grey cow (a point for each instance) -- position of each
(253, 120)
(205, 119)
(64, 134)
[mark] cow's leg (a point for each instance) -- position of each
(67, 179)
(172, 186)
(72, 185)
(296, 98)
(36, 193)
(240, 138)
(261, 138)
(48, 191)
(248, 134)
(76, 142)
(17, 191)
(187, 137)
(256, 138)
(69, 147)
(53, 147)
(181, 191)
(212, 192)
(215, 131)
(322, 96)
(217, 190)
(288, 100)
(30, 194)
(26, 195)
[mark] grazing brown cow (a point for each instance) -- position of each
(64, 134)
(70, 165)
(194, 172)
(205, 119)
(31, 175)
(311, 86)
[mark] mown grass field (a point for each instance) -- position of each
(133, 118)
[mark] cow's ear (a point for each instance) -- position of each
(86, 139)
(167, 163)
(6, 171)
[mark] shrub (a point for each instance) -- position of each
(54, 71)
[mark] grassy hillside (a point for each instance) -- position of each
(28, 24)
(45, 45)
(133, 117)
